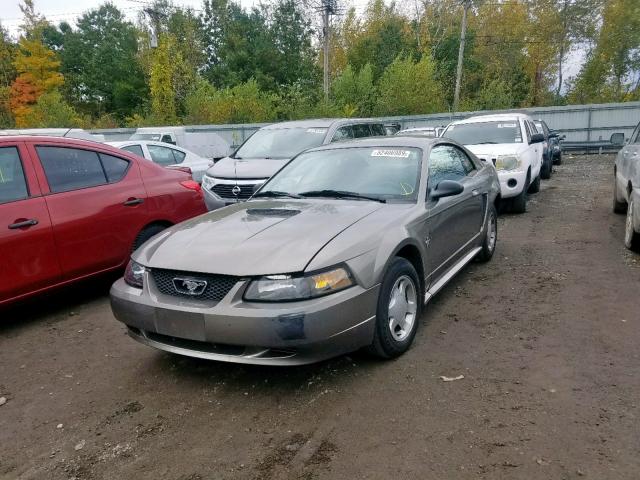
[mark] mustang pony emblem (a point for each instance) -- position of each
(189, 286)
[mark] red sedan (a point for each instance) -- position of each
(70, 209)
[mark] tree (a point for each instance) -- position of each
(7, 75)
(161, 82)
(408, 87)
(100, 65)
(37, 69)
(51, 111)
(608, 72)
(354, 92)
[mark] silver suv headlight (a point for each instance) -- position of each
(207, 182)
(279, 288)
(508, 162)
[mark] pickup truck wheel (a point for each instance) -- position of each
(398, 311)
(146, 234)
(631, 237)
(558, 159)
(490, 236)
(618, 207)
(545, 172)
(519, 203)
(535, 185)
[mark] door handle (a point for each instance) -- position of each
(25, 223)
(475, 192)
(133, 202)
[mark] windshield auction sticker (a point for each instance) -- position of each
(506, 125)
(391, 153)
(315, 130)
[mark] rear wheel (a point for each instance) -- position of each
(490, 235)
(631, 237)
(146, 233)
(618, 207)
(398, 311)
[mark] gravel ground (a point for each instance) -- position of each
(546, 336)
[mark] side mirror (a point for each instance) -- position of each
(446, 188)
(617, 139)
(537, 138)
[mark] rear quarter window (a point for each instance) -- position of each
(71, 168)
(135, 149)
(114, 167)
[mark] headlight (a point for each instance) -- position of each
(278, 288)
(207, 182)
(507, 162)
(134, 274)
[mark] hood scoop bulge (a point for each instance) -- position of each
(272, 212)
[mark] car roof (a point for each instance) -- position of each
(384, 142)
(493, 117)
(124, 143)
(50, 139)
(319, 123)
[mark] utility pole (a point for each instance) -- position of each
(463, 32)
(328, 8)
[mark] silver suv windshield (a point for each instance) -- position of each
(281, 142)
(378, 173)
(478, 133)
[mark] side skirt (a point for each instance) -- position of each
(435, 288)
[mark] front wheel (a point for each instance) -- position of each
(535, 185)
(547, 166)
(631, 237)
(618, 207)
(558, 159)
(398, 310)
(146, 233)
(490, 236)
(519, 203)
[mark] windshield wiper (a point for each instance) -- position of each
(340, 194)
(276, 194)
(487, 143)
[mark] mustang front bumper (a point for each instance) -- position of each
(233, 330)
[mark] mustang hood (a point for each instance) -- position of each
(253, 238)
(246, 168)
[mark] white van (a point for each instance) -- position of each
(512, 143)
(206, 144)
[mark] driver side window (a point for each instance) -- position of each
(445, 163)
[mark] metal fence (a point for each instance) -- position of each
(586, 127)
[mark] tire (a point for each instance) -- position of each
(519, 203)
(631, 237)
(558, 159)
(390, 342)
(618, 207)
(145, 234)
(535, 186)
(490, 235)
(545, 171)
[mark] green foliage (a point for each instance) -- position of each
(354, 92)
(100, 66)
(243, 103)
(51, 111)
(408, 87)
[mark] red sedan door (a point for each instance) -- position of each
(28, 258)
(97, 203)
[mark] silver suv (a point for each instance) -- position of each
(234, 179)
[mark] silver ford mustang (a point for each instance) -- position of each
(339, 250)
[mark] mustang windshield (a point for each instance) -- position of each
(478, 133)
(378, 173)
(281, 142)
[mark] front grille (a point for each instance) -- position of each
(217, 285)
(225, 190)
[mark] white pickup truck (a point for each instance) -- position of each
(512, 143)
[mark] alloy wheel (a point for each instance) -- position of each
(403, 307)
